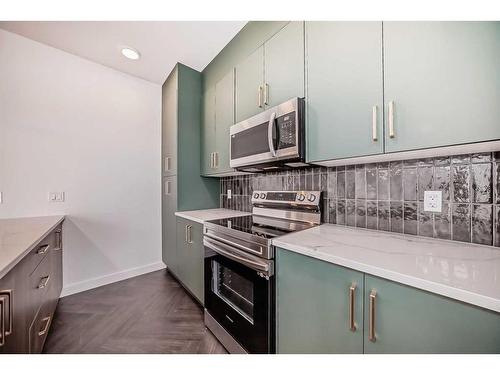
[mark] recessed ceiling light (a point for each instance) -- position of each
(130, 53)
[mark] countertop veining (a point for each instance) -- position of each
(18, 236)
(462, 271)
(200, 216)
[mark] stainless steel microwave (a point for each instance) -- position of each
(273, 139)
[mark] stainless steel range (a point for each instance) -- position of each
(239, 267)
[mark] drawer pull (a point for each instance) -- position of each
(46, 327)
(8, 294)
(59, 239)
(43, 249)
(352, 295)
(2, 321)
(43, 282)
(371, 329)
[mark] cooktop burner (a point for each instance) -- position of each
(265, 227)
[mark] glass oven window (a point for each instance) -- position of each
(233, 289)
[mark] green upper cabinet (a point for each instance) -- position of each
(208, 134)
(250, 85)
(272, 74)
(409, 320)
(344, 90)
(313, 306)
(443, 80)
(224, 118)
(284, 65)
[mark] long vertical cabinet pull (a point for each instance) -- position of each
(167, 187)
(190, 234)
(216, 159)
(371, 328)
(186, 233)
(266, 94)
(167, 163)
(374, 124)
(259, 97)
(352, 296)
(391, 119)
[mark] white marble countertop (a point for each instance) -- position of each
(18, 236)
(200, 216)
(462, 271)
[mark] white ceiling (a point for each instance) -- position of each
(161, 43)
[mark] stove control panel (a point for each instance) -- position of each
(287, 197)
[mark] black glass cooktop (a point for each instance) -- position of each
(261, 226)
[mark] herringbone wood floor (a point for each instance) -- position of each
(151, 313)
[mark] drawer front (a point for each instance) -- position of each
(35, 257)
(39, 283)
(40, 327)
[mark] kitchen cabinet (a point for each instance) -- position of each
(441, 83)
(344, 90)
(313, 314)
(250, 85)
(272, 74)
(208, 133)
(29, 294)
(224, 118)
(315, 300)
(409, 320)
(183, 189)
(190, 254)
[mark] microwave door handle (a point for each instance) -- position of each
(270, 127)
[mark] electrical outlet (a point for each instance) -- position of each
(57, 196)
(229, 194)
(433, 201)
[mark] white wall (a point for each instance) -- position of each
(68, 124)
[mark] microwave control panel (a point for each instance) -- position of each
(287, 130)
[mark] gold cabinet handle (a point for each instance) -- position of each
(185, 233)
(259, 97)
(46, 327)
(43, 282)
(391, 119)
(167, 163)
(352, 296)
(189, 234)
(374, 123)
(216, 160)
(8, 294)
(371, 328)
(2, 321)
(59, 239)
(266, 94)
(43, 249)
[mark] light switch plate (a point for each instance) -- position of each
(229, 194)
(433, 201)
(57, 196)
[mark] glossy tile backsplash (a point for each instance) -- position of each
(389, 196)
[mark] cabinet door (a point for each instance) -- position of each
(169, 125)
(409, 320)
(344, 89)
(169, 206)
(193, 261)
(249, 78)
(182, 245)
(313, 303)
(443, 80)
(284, 65)
(208, 132)
(224, 118)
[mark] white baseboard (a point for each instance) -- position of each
(111, 278)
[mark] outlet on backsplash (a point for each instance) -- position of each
(433, 201)
(228, 193)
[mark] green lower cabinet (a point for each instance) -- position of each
(313, 303)
(190, 256)
(409, 320)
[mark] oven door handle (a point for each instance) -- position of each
(270, 128)
(226, 251)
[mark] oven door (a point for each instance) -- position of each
(239, 295)
(271, 136)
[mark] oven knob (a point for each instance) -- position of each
(311, 197)
(262, 195)
(301, 197)
(256, 195)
